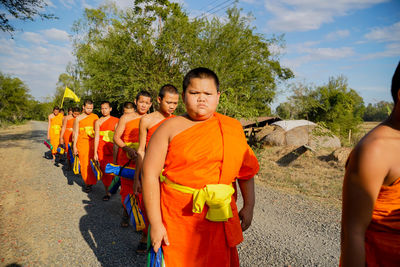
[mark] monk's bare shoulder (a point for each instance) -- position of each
(147, 120)
(176, 125)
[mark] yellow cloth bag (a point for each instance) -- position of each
(76, 168)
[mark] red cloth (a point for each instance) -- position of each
(211, 152)
(130, 135)
(105, 149)
(382, 238)
(68, 135)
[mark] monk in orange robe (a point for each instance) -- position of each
(167, 99)
(83, 144)
(104, 143)
(127, 137)
(371, 194)
(193, 213)
(54, 129)
(67, 129)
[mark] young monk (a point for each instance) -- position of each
(168, 98)
(83, 145)
(54, 129)
(371, 194)
(104, 142)
(203, 153)
(67, 129)
(70, 111)
(127, 137)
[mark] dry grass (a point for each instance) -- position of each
(313, 174)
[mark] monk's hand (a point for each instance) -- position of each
(96, 157)
(137, 186)
(246, 216)
(158, 234)
(132, 153)
(75, 151)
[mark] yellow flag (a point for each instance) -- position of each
(70, 94)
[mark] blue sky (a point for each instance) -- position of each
(359, 39)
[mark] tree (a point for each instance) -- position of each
(14, 99)
(121, 52)
(334, 105)
(378, 111)
(23, 10)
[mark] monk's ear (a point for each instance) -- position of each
(134, 101)
(183, 96)
(218, 95)
(159, 100)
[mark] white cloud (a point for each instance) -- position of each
(56, 34)
(391, 50)
(305, 15)
(385, 34)
(34, 60)
(337, 35)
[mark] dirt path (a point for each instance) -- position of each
(46, 219)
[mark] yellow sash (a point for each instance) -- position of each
(88, 130)
(132, 145)
(56, 128)
(216, 196)
(108, 136)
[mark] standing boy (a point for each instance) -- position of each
(202, 153)
(104, 142)
(127, 137)
(83, 144)
(371, 194)
(54, 129)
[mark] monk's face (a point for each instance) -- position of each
(128, 110)
(105, 109)
(70, 112)
(88, 108)
(75, 114)
(201, 98)
(169, 103)
(143, 104)
(56, 111)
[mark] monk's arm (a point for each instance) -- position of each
(48, 126)
(96, 139)
(64, 126)
(153, 164)
(140, 152)
(363, 179)
(75, 135)
(119, 131)
(249, 200)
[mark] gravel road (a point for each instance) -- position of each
(46, 219)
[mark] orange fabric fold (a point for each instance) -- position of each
(55, 131)
(382, 238)
(151, 131)
(210, 152)
(105, 149)
(68, 135)
(85, 146)
(130, 135)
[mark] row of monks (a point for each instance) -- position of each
(200, 154)
(188, 168)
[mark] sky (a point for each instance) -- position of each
(359, 39)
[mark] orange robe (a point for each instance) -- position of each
(151, 131)
(105, 149)
(130, 135)
(55, 131)
(382, 238)
(68, 135)
(85, 146)
(210, 152)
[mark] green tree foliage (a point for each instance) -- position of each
(121, 52)
(334, 105)
(14, 99)
(378, 111)
(22, 10)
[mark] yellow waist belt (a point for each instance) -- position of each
(88, 130)
(216, 196)
(56, 128)
(131, 145)
(108, 136)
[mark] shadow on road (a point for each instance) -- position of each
(100, 227)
